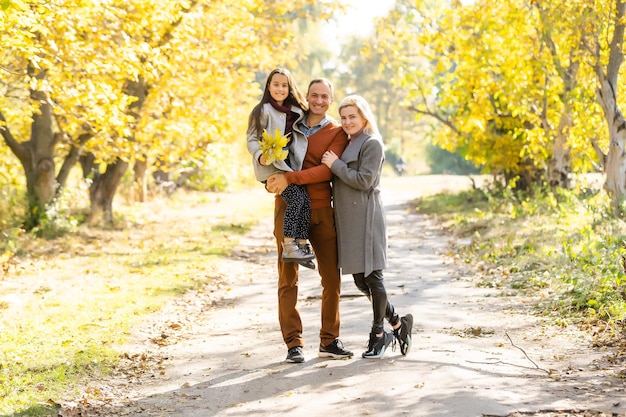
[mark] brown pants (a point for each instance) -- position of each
(323, 238)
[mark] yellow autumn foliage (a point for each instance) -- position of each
(273, 146)
(508, 89)
(140, 80)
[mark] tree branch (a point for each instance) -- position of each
(506, 363)
(616, 56)
(437, 116)
(599, 152)
(11, 142)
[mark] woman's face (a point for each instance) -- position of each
(351, 120)
(279, 88)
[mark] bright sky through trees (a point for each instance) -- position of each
(358, 20)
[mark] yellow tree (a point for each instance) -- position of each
(488, 74)
(54, 88)
(204, 90)
(194, 56)
(562, 30)
(119, 81)
(195, 86)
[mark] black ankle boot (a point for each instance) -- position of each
(403, 333)
(377, 345)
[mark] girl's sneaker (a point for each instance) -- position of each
(305, 247)
(293, 253)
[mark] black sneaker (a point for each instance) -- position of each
(377, 345)
(295, 355)
(334, 350)
(403, 333)
(307, 250)
(307, 264)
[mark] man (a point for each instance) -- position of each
(322, 134)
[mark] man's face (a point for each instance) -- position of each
(319, 98)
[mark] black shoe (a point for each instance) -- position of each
(307, 250)
(334, 350)
(377, 345)
(403, 333)
(295, 355)
(307, 264)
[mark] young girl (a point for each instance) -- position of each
(280, 108)
(360, 221)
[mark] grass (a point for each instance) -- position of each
(68, 304)
(564, 248)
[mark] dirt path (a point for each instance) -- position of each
(475, 352)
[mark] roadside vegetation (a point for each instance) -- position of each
(69, 301)
(565, 249)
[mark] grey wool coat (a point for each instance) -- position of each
(273, 119)
(359, 212)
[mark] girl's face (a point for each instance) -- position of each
(351, 120)
(279, 88)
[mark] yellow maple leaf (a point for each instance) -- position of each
(273, 146)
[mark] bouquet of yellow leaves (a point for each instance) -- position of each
(273, 146)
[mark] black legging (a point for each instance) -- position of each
(298, 211)
(374, 288)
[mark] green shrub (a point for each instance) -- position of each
(566, 246)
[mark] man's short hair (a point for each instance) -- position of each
(325, 81)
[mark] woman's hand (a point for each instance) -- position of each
(328, 158)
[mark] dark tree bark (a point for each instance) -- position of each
(71, 159)
(36, 155)
(104, 186)
(103, 190)
(140, 183)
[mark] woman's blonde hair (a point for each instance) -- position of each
(371, 128)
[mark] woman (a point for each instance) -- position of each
(361, 224)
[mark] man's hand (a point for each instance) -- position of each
(276, 183)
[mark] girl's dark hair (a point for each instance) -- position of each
(295, 98)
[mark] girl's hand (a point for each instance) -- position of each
(276, 183)
(262, 160)
(328, 158)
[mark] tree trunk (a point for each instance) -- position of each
(103, 190)
(71, 159)
(140, 183)
(36, 155)
(559, 166)
(614, 166)
(40, 171)
(104, 186)
(615, 160)
(87, 163)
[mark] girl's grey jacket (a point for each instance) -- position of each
(359, 212)
(272, 119)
